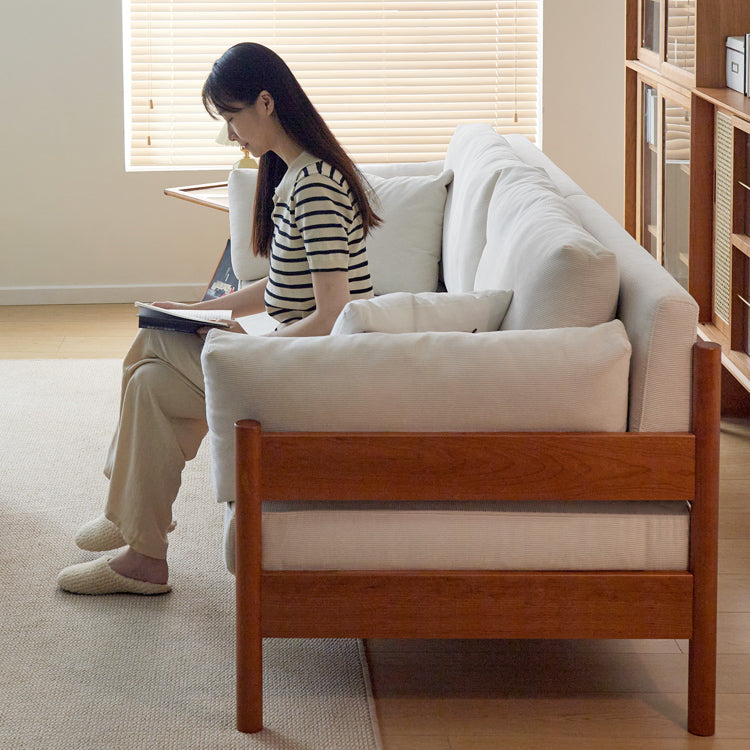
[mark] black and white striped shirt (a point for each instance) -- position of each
(317, 228)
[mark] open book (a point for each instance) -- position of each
(187, 321)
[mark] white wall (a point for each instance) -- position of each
(583, 99)
(75, 227)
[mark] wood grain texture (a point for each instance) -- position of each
(477, 604)
(476, 466)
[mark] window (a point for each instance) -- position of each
(392, 78)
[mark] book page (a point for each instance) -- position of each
(197, 315)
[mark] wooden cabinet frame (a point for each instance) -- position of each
(715, 20)
(656, 59)
(636, 144)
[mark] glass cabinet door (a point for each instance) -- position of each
(649, 171)
(664, 188)
(650, 25)
(680, 43)
(676, 218)
(741, 242)
(744, 186)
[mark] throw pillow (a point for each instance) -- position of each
(404, 251)
(401, 312)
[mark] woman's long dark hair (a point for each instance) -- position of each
(238, 77)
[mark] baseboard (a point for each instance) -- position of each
(85, 295)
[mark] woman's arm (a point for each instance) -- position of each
(247, 301)
(331, 289)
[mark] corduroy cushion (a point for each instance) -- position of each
(573, 379)
(560, 274)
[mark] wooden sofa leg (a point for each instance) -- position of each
(248, 562)
(704, 536)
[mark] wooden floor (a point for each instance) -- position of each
(509, 695)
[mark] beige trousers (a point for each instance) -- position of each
(162, 423)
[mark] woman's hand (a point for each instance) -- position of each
(232, 327)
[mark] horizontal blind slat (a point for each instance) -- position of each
(392, 78)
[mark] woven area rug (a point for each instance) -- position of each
(133, 672)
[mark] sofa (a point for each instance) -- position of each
(517, 437)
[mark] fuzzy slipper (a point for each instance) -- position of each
(97, 577)
(101, 535)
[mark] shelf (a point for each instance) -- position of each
(738, 363)
(728, 99)
(742, 243)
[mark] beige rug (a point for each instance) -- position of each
(129, 672)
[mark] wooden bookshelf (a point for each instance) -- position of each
(676, 64)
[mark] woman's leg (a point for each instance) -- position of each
(162, 423)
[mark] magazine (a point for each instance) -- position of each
(187, 321)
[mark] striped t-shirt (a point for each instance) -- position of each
(317, 228)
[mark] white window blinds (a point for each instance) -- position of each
(391, 78)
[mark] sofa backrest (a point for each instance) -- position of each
(404, 252)
(476, 155)
(661, 321)
(659, 316)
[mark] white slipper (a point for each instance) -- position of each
(101, 535)
(97, 577)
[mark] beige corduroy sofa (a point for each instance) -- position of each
(424, 474)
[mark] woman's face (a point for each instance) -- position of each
(251, 126)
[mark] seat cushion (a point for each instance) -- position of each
(471, 536)
(560, 274)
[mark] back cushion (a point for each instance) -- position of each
(404, 251)
(560, 274)
(476, 154)
(246, 265)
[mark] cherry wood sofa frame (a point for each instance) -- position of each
(484, 604)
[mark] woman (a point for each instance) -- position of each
(311, 217)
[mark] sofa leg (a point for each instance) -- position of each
(249, 686)
(248, 579)
(703, 536)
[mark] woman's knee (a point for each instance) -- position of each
(163, 387)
